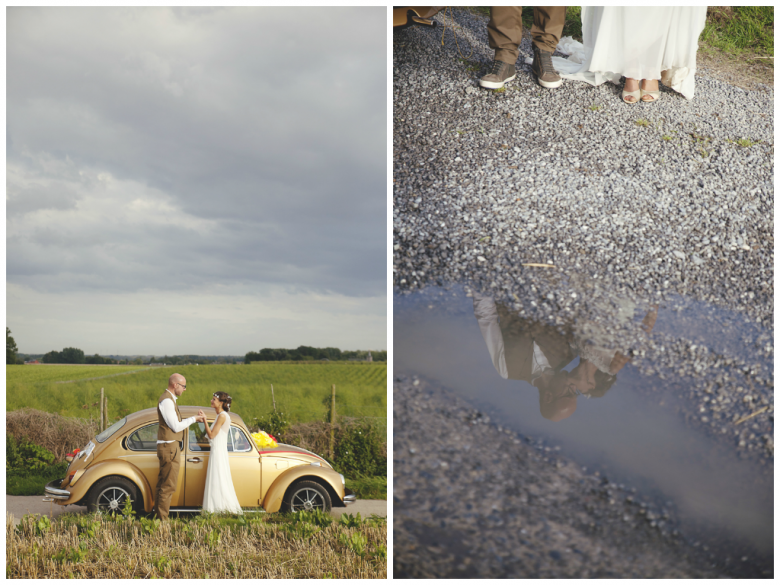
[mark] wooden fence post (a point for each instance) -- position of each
(101, 411)
(105, 410)
(332, 416)
(272, 396)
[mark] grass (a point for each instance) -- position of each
(738, 30)
(642, 122)
(22, 484)
(257, 546)
(368, 488)
(745, 142)
(301, 391)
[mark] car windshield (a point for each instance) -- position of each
(111, 430)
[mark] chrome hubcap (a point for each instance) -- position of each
(307, 499)
(112, 499)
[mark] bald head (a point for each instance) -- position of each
(177, 384)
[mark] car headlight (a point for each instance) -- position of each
(343, 482)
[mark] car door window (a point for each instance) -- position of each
(237, 441)
(198, 439)
(144, 439)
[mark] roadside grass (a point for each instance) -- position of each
(306, 545)
(33, 484)
(737, 30)
(368, 487)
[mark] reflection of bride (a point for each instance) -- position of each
(524, 350)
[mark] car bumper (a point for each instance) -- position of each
(53, 493)
(349, 497)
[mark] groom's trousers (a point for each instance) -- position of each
(505, 30)
(168, 455)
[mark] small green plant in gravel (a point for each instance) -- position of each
(746, 142)
(642, 122)
(595, 108)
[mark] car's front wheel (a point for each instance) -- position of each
(306, 496)
(110, 494)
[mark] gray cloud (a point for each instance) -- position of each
(275, 136)
(168, 148)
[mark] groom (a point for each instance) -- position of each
(169, 436)
(505, 31)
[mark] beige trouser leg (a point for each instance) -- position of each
(168, 455)
(505, 29)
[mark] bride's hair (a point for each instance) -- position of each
(225, 399)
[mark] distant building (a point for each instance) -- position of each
(32, 362)
(369, 358)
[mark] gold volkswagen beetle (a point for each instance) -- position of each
(121, 462)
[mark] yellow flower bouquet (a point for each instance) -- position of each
(264, 440)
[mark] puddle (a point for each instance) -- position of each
(571, 387)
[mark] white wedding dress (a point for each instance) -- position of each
(637, 42)
(220, 495)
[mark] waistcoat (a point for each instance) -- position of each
(164, 433)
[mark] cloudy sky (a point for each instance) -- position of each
(207, 181)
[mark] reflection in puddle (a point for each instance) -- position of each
(523, 350)
(608, 415)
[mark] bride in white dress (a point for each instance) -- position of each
(642, 44)
(219, 495)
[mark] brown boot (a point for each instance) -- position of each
(543, 69)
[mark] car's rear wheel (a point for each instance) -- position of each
(306, 496)
(110, 494)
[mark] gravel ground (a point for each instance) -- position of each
(485, 181)
(675, 211)
(646, 203)
(473, 500)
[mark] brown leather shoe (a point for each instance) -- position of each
(543, 69)
(498, 76)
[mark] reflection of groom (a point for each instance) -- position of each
(528, 351)
(169, 435)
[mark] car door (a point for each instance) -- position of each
(244, 466)
(141, 451)
(197, 462)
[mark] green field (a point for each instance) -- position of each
(302, 391)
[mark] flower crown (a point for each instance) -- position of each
(228, 396)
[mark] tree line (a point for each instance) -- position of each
(73, 355)
(305, 353)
